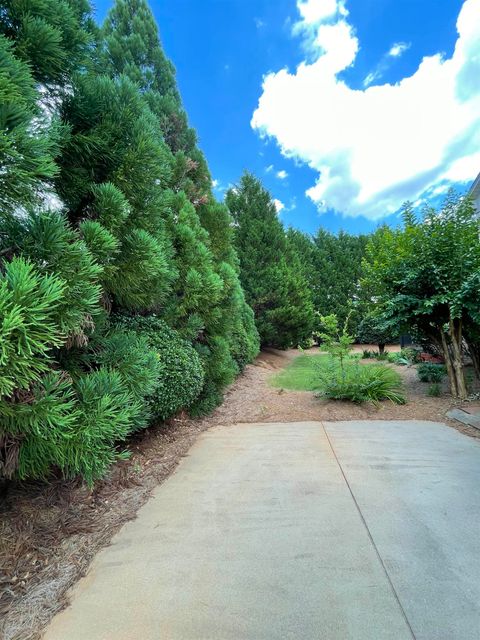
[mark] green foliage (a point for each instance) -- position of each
(270, 269)
(429, 372)
(397, 357)
(434, 390)
(48, 241)
(26, 145)
(425, 278)
(332, 265)
(361, 383)
(29, 305)
(180, 374)
(373, 329)
(407, 356)
(335, 341)
(52, 36)
(136, 230)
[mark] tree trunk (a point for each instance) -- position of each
(452, 351)
(448, 364)
(457, 356)
(381, 348)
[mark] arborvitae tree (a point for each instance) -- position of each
(270, 272)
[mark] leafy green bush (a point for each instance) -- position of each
(180, 370)
(429, 372)
(220, 370)
(361, 383)
(397, 357)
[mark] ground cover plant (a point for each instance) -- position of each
(429, 372)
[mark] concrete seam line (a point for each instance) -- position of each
(377, 552)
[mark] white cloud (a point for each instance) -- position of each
(376, 147)
(279, 206)
(374, 75)
(215, 183)
(269, 169)
(398, 49)
(314, 11)
(282, 174)
(259, 23)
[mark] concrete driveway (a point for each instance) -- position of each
(309, 531)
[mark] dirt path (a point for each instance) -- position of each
(49, 534)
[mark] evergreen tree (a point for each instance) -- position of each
(26, 145)
(206, 302)
(51, 36)
(270, 270)
(114, 169)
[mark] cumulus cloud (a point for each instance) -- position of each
(279, 206)
(374, 148)
(269, 169)
(282, 174)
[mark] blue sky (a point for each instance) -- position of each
(343, 139)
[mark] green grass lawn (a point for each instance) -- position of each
(301, 374)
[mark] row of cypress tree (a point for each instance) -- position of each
(120, 298)
(291, 278)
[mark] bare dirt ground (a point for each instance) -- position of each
(50, 533)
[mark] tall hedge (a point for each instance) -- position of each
(120, 298)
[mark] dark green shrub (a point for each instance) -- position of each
(361, 383)
(180, 370)
(429, 372)
(220, 371)
(244, 340)
(374, 329)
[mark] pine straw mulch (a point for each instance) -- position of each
(49, 533)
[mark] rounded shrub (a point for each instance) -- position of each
(429, 372)
(180, 372)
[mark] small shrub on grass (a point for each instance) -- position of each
(434, 390)
(367, 383)
(429, 372)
